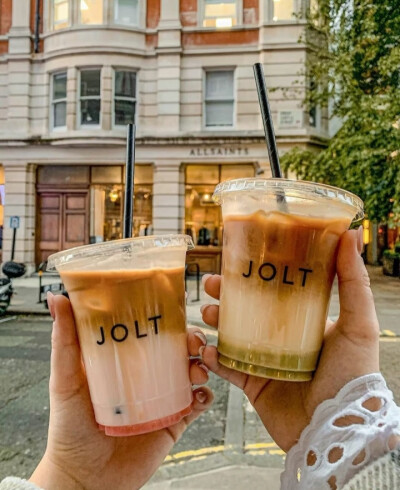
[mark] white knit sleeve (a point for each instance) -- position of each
(13, 483)
(346, 433)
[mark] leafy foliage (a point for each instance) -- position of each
(354, 66)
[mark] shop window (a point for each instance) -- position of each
(107, 202)
(124, 97)
(126, 12)
(91, 11)
(220, 14)
(203, 220)
(61, 13)
(219, 98)
(282, 10)
(59, 100)
(90, 97)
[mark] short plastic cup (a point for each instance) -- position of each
(279, 254)
(128, 300)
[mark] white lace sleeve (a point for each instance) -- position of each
(345, 434)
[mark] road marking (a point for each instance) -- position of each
(260, 445)
(389, 339)
(194, 453)
(8, 319)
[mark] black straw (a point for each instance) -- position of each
(267, 120)
(129, 180)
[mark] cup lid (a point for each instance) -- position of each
(297, 189)
(113, 248)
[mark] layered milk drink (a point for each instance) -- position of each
(279, 253)
(128, 299)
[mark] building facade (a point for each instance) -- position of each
(73, 74)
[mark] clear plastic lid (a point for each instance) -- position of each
(294, 191)
(139, 252)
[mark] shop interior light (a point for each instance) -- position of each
(224, 22)
(114, 195)
(84, 5)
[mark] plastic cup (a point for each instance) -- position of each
(128, 299)
(279, 254)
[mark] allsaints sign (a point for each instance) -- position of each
(220, 151)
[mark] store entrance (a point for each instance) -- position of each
(63, 221)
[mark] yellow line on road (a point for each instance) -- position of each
(260, 445)
(194, 452)
(256, 448)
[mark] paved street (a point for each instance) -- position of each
(228, 435)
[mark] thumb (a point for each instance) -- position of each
(67, 373)
(357, 308)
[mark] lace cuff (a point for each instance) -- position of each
(345, 434)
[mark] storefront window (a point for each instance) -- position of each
(91, 11)
(219, 13)
(61, 14)
(283, 10)
(203, 221)
(107, 202)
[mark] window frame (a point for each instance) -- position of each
(137, 24)
(131, 70)
(296, 5)
(52, 16)
(219, 69)
(89, 97)
(79, 14)
(57, 101)
(239, 15)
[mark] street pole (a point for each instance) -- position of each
(13, 243)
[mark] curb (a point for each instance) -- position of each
(27, 311)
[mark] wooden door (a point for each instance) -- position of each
(63, 222)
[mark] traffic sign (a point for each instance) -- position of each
(14, 222)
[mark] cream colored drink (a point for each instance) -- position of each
(278, 268)
(129, 309)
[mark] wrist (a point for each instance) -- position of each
(51, 476)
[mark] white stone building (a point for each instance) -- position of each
(182, 70)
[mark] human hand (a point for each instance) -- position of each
(78, 454)
(350, 350)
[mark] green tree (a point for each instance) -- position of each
(354, 65)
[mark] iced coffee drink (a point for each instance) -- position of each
(128, 299)
(279, 253)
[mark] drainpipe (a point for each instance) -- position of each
(37, 27)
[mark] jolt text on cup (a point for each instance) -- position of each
(268, 271)
(120, 332)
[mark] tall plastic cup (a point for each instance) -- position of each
(279, 253)
(128, 300)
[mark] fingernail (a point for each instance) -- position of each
(201, 397)
(50, 302)
(205, 278)
(203, 366)
(360, 241)
(201, 350)
(201, 336)
(203, 307)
